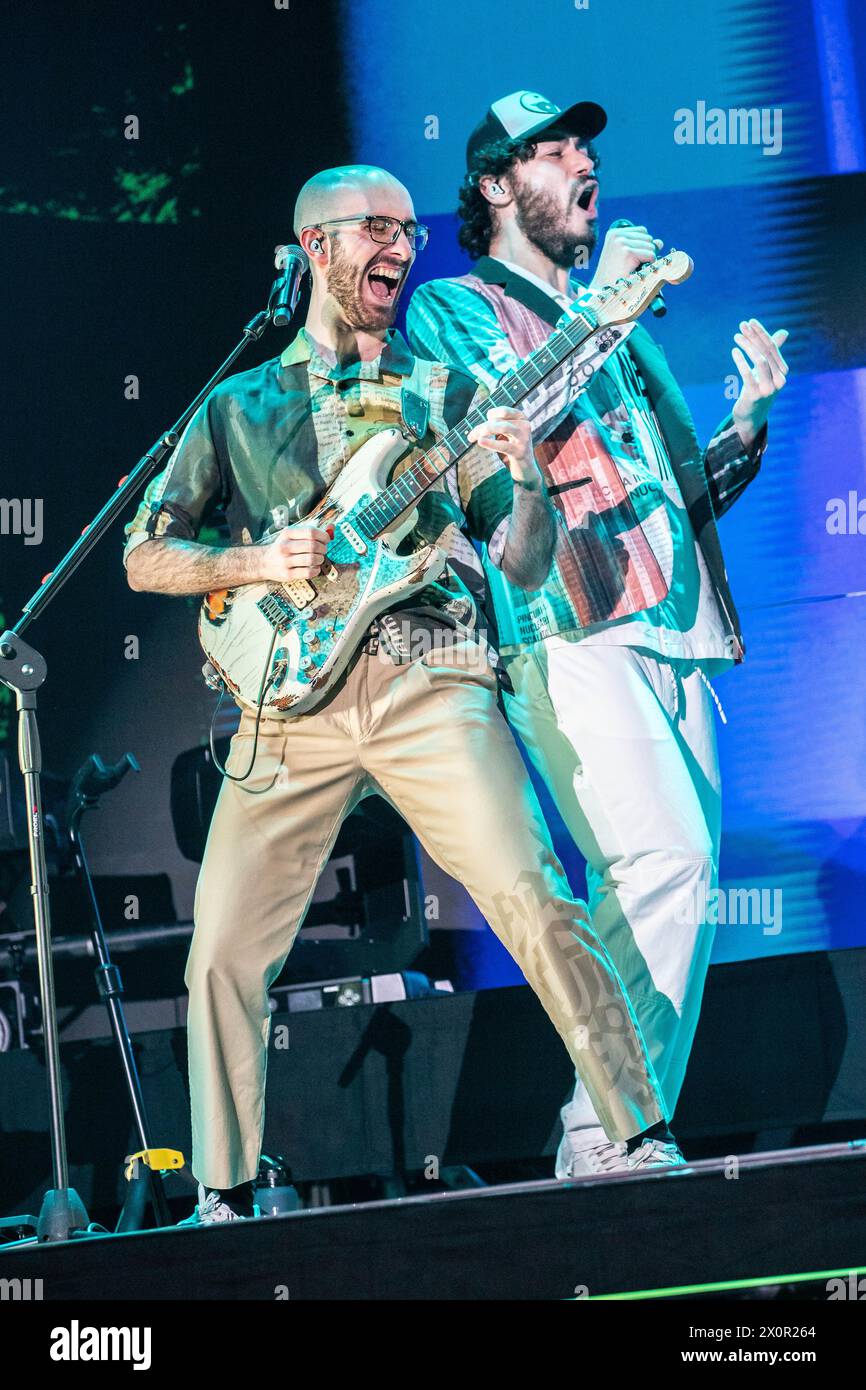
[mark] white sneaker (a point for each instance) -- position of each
(212, 1210)
(654, 1154)
(585, 1152)
(608, 1157)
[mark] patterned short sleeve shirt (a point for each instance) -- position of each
(266, 445)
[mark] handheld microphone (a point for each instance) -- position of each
(293, 264)
(658, 306)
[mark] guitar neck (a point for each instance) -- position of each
(414, 481)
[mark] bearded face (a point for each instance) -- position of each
(366, 282)
(552, 220)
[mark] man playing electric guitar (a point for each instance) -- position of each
(423, 731)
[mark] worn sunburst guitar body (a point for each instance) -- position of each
(281, 647)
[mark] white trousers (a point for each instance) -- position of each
(626, 743)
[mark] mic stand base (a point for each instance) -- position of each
(61, 1216)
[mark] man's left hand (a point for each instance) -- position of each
(764, 372)
(507, 433)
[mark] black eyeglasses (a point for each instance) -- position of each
(384, 230)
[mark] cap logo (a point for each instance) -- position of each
(533, 101)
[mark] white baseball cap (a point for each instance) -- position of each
(523, 115)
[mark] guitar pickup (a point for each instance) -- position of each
(301, 592)
(351, 535)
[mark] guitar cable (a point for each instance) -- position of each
(266, 683)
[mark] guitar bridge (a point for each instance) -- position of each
(281, 606)
(278, 611)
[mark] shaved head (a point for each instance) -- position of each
(349, 189)
(357, 278)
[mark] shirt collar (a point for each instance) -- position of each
(564, 300)
(395, 357)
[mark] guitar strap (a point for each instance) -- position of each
(415, 398)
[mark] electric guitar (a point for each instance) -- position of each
(280, 647)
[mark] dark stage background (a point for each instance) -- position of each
(144, 257)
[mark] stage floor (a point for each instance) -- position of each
(772, 1218)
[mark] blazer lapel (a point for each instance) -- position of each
(677, 426)
(493, 272)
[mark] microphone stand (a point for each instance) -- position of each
(90, 782)
(23, 670)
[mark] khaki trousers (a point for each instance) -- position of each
(429, 737)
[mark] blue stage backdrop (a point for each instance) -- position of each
(776, 230)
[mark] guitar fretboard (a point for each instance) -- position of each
(405, 491)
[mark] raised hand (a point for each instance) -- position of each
(764, 372)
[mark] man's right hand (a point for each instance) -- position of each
(298, 552)
(625, 248)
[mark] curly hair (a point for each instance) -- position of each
(497, 158)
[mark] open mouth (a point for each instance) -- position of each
(384, 282)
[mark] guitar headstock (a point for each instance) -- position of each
(627, 299)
